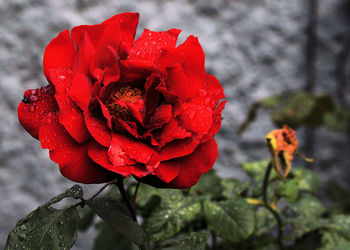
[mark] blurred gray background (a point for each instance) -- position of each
(256, 48)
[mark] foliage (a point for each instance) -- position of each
(301, 108)
(228, 209)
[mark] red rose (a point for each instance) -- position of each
(117, 106)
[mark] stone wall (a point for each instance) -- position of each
(254, 47)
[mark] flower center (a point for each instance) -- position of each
(116, 104)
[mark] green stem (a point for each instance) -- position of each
(272, 211)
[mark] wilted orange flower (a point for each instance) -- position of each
(282, 144)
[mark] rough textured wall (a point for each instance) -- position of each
(254, 47)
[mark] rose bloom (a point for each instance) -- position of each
(282, 144)
(113, 105)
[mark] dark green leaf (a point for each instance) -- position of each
(172, 215)
(302, 225)
(288, 189)
(341, 224)
(45, 228)
(75, 192)
(87, 216)
(306, 180)
(333, 241)
(149, 197)
(209, 184)
(108, 239)
(339, 120)
(188, 241)
(233, 188)
(308, 206)
(264, 221)
(256, 169)
(118, 217)
(232, 220)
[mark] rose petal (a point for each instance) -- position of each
(98, 129)
(81, 91)
(70, 116)
(107, 54)
(85, 53)
(171, 131)
(150, 43)
(136, 150)
(178, 148)
(161, 115)
(37, 104)
(71, 157)
(59, 53)
(195, 164)
(167, 171)
(196, 118)
(128, 24)
(210, 93)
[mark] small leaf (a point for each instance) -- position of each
(232, 220)
(264, 222)
(256, 169)
(118, 217)
(108, 239)
(341, 224)
(188, 241)
(87, 216)
(306, 180)
(45, 228)
(209, 184)
(294, 110)
(308, 206)
(75, 192)
(149, 197)
(288, 189)
(172, 215)
(338, 120)
(333, 241)
(233, 188)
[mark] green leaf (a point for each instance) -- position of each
(256, 169)
(233, 188)
(339, 120)
(45, 228)
(294, 110)
(341, 224)
(149, 197)
(333, 241)
(108, 239)
(288, 189)
(118, 217)
(232, 220)
(306, 180)
(188, 241)
(75, 192)
(172, 215)
(87, 216)
(308, 206)
(302, 225)
(264, 221)
(209, 184)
